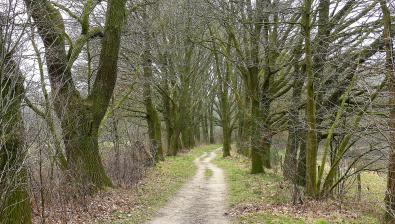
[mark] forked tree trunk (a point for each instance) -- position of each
(82, 150)
(80, 118)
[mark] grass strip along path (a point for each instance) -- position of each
(266, 198)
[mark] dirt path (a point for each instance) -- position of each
(202, 200)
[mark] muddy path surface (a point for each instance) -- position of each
(201, 200)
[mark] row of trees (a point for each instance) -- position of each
(317, 72)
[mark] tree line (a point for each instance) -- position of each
(319, 74)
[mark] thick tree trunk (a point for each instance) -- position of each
(82, 150)
(80, 118)
(256, 126)
(15, 205)
(174, 143)
(226, 141)
(252, 81)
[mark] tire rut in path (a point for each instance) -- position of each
(201, 200)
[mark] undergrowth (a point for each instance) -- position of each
(266, 198)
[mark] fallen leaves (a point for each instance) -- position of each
(327, 209)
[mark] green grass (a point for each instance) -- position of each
(247, 189)
(244, 187)
(268, 189)
(162, 183)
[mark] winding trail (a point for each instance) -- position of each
(201, 200)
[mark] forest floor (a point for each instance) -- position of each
(266, 198)
(202, 200)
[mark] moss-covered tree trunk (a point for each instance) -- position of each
(226, 129)
(311, 144)
(244, 119)
(256, 125)
(223, 95)
(167, 117)
(15, 205)
(80, 118)
(294, 127)
(301, 168)
(211, 123)
(390, 72)
(80, 136)
(205, 127)
(153, 120)
(252, 80)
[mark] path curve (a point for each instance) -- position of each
(201, 200)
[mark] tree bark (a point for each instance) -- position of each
(211, 123)
(256, 129)
(311, 144)
(15, 205)
(80, 118)
(294, 128)
(253, 85)
(390, 72)
(153, 120)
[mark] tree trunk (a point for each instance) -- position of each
(211, 123)
(153, 120)
(301, 172)
(256, 129)
(294, 128)
(244, 132)
(15, 205)
(311, 144)
(205, 128)
(80, 118)
(390, 72)
(224, 81)
(82, 150)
